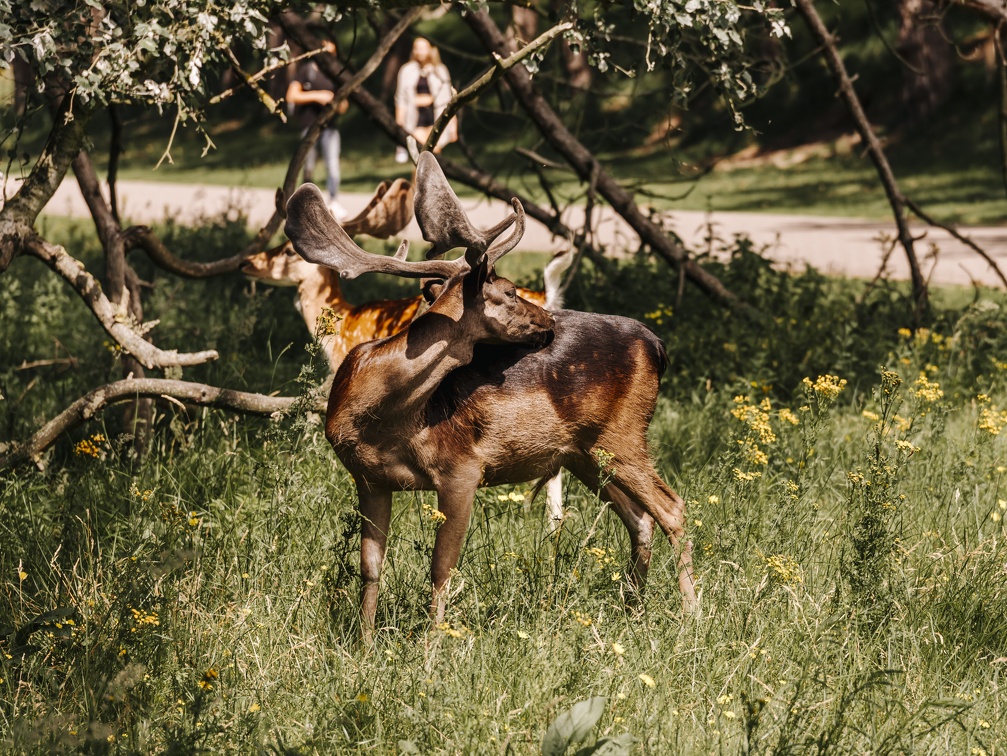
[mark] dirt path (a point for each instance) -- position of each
(846, 246)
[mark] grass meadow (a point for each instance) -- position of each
(848, 531)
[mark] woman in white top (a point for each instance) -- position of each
(422, 93)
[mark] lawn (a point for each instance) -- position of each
(848, 532)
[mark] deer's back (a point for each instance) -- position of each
(596, 383)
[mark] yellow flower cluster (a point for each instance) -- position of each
(908, 448)
(658, 315)
(825, 386)
(453, 632)
(755, 417)
(789, 417)
(927, 390)
(992, 420)
(90, 447)
(328, 322)
(785, 569)
(136, 493)
(435, 516)
(142, 618)
(209, 678)
(601, 555)
(582, 619)
(745, 477)
(514, 496)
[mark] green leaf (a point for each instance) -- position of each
(572, 726)
(617, 746)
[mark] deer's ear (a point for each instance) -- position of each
(475, 279)
(431, 288)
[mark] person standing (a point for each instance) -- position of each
(309, 92)
(423, 92)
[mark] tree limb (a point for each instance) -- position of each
(97, 400)
(65, 139)
(470, 176)
(874, 149)
(926, 218)
(116, 322)
(583, 161)
(994, 11)
(500, 67)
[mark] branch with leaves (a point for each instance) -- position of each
(97, 400)
(488, 79)
(584, 163)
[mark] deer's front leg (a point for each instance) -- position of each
(375, 513)
(455, 502)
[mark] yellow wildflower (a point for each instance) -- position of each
(785, 569)
(927, 390)
(647, 680)
(789, 417)
(825, 386)
(618, 649)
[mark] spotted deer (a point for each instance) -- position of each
(319, 291)
(440, 405)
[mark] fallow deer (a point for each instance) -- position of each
(318, 290)
(438, 406)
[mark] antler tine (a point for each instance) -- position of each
(318, 238)
(355, 225)
(497, 251)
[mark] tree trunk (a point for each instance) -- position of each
(928, 79)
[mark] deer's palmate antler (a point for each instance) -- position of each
(438, 406)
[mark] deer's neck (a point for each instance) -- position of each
(317, 293)
(404, 371)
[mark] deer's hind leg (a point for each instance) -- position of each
(639, 481)
(639, 524)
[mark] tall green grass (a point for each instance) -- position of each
(851, 564)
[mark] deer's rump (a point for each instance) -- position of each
(596, 379)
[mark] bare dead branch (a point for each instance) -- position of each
(928, 219)
(874, 149)
(144, 238)
(490, 77)
(116, 321)
(97, 400)
(114, 153)
(994, 11)
(264, 97)
(251, 79)
(1002, 76)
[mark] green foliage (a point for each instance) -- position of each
(204, 597)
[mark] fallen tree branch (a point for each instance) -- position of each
(97, 400)
(500, 67)
(116, 323)
(874, 149)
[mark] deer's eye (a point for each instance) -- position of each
(512, 293)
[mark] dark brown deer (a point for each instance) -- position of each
(438, 406)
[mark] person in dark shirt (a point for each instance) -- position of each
(309, 93)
